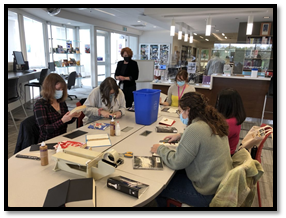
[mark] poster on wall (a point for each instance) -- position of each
(154, 53)
(164, 53)
(205, 55)
(144, 49)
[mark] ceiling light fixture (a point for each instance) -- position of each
(207, 40)
(191, 37)
(201, 37)
(223, 34)
(225, 37)
(266, 17)
(186, 36)
(180, 33)
(249, 25)
(195, 34)
(172, 29)
(103, 12)
(138, 21)
(208, 26)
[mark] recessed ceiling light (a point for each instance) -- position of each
(201, 37)
(138, 21)
(154, 26)
(225, 37)
(222, 34)
(266, 17)
(195, 34)
(207, 40)
(68, 23)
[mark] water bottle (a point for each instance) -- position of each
(117, 129)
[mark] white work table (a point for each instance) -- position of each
(29, 182)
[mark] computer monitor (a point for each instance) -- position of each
(162, 67)
(18, 55)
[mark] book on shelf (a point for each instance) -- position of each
(127, 186)
(87, 48)
(77, 50)
(147, 163)
(69, 44)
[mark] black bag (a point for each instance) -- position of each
(253, 152)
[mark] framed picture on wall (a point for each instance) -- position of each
(144, 50)
(265, 29)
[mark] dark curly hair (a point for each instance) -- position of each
(197, 103)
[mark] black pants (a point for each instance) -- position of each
(128, 93)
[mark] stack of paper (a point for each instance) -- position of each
(98, 140)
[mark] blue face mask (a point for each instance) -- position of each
(184, 121)
(181, 83)
(58, 94)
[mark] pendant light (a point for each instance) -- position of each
(172, 29)
(180, 33)
(186, 36)
(249, 25)
(191, 37)
(208, 26)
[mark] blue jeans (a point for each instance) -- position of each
(181, 189)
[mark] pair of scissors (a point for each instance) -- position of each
(128, 154)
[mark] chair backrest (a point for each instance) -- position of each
(43, 75)
(28, 134)
(13, 88)
(259, 149)
(71, 79)
(79, 120)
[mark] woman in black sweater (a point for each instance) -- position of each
(127, 72)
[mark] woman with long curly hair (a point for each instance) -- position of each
(202, 157)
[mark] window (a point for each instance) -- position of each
(34, 42)
(13, 35)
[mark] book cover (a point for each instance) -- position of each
(147, 163)
(127, 186)
(98, 140)
(69, 44)
(167, 121)
(87, 48)
(77, 50)
(166, 129)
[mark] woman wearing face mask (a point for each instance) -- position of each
(51, 111)
(177, 90)
(127, 72)
(104, 101)
(202, 156)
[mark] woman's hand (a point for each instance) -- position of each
(105, 114)
(67, 117)
(154, 148)
(173, 138)
(117, 114)
(76, 114)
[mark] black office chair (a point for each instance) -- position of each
(71, 82)
(268, 95)
(43, 75)
(13, 96)
(28, 134)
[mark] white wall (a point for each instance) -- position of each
(160, 36)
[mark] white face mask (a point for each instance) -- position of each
(58, 94)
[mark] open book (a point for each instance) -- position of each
(147, 163)
(98, 140)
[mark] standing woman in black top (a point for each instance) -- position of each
(127, 72)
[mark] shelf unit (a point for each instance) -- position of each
(64, 47)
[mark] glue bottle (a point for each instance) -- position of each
(112, 127)
(44, 154)
(117, 129)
